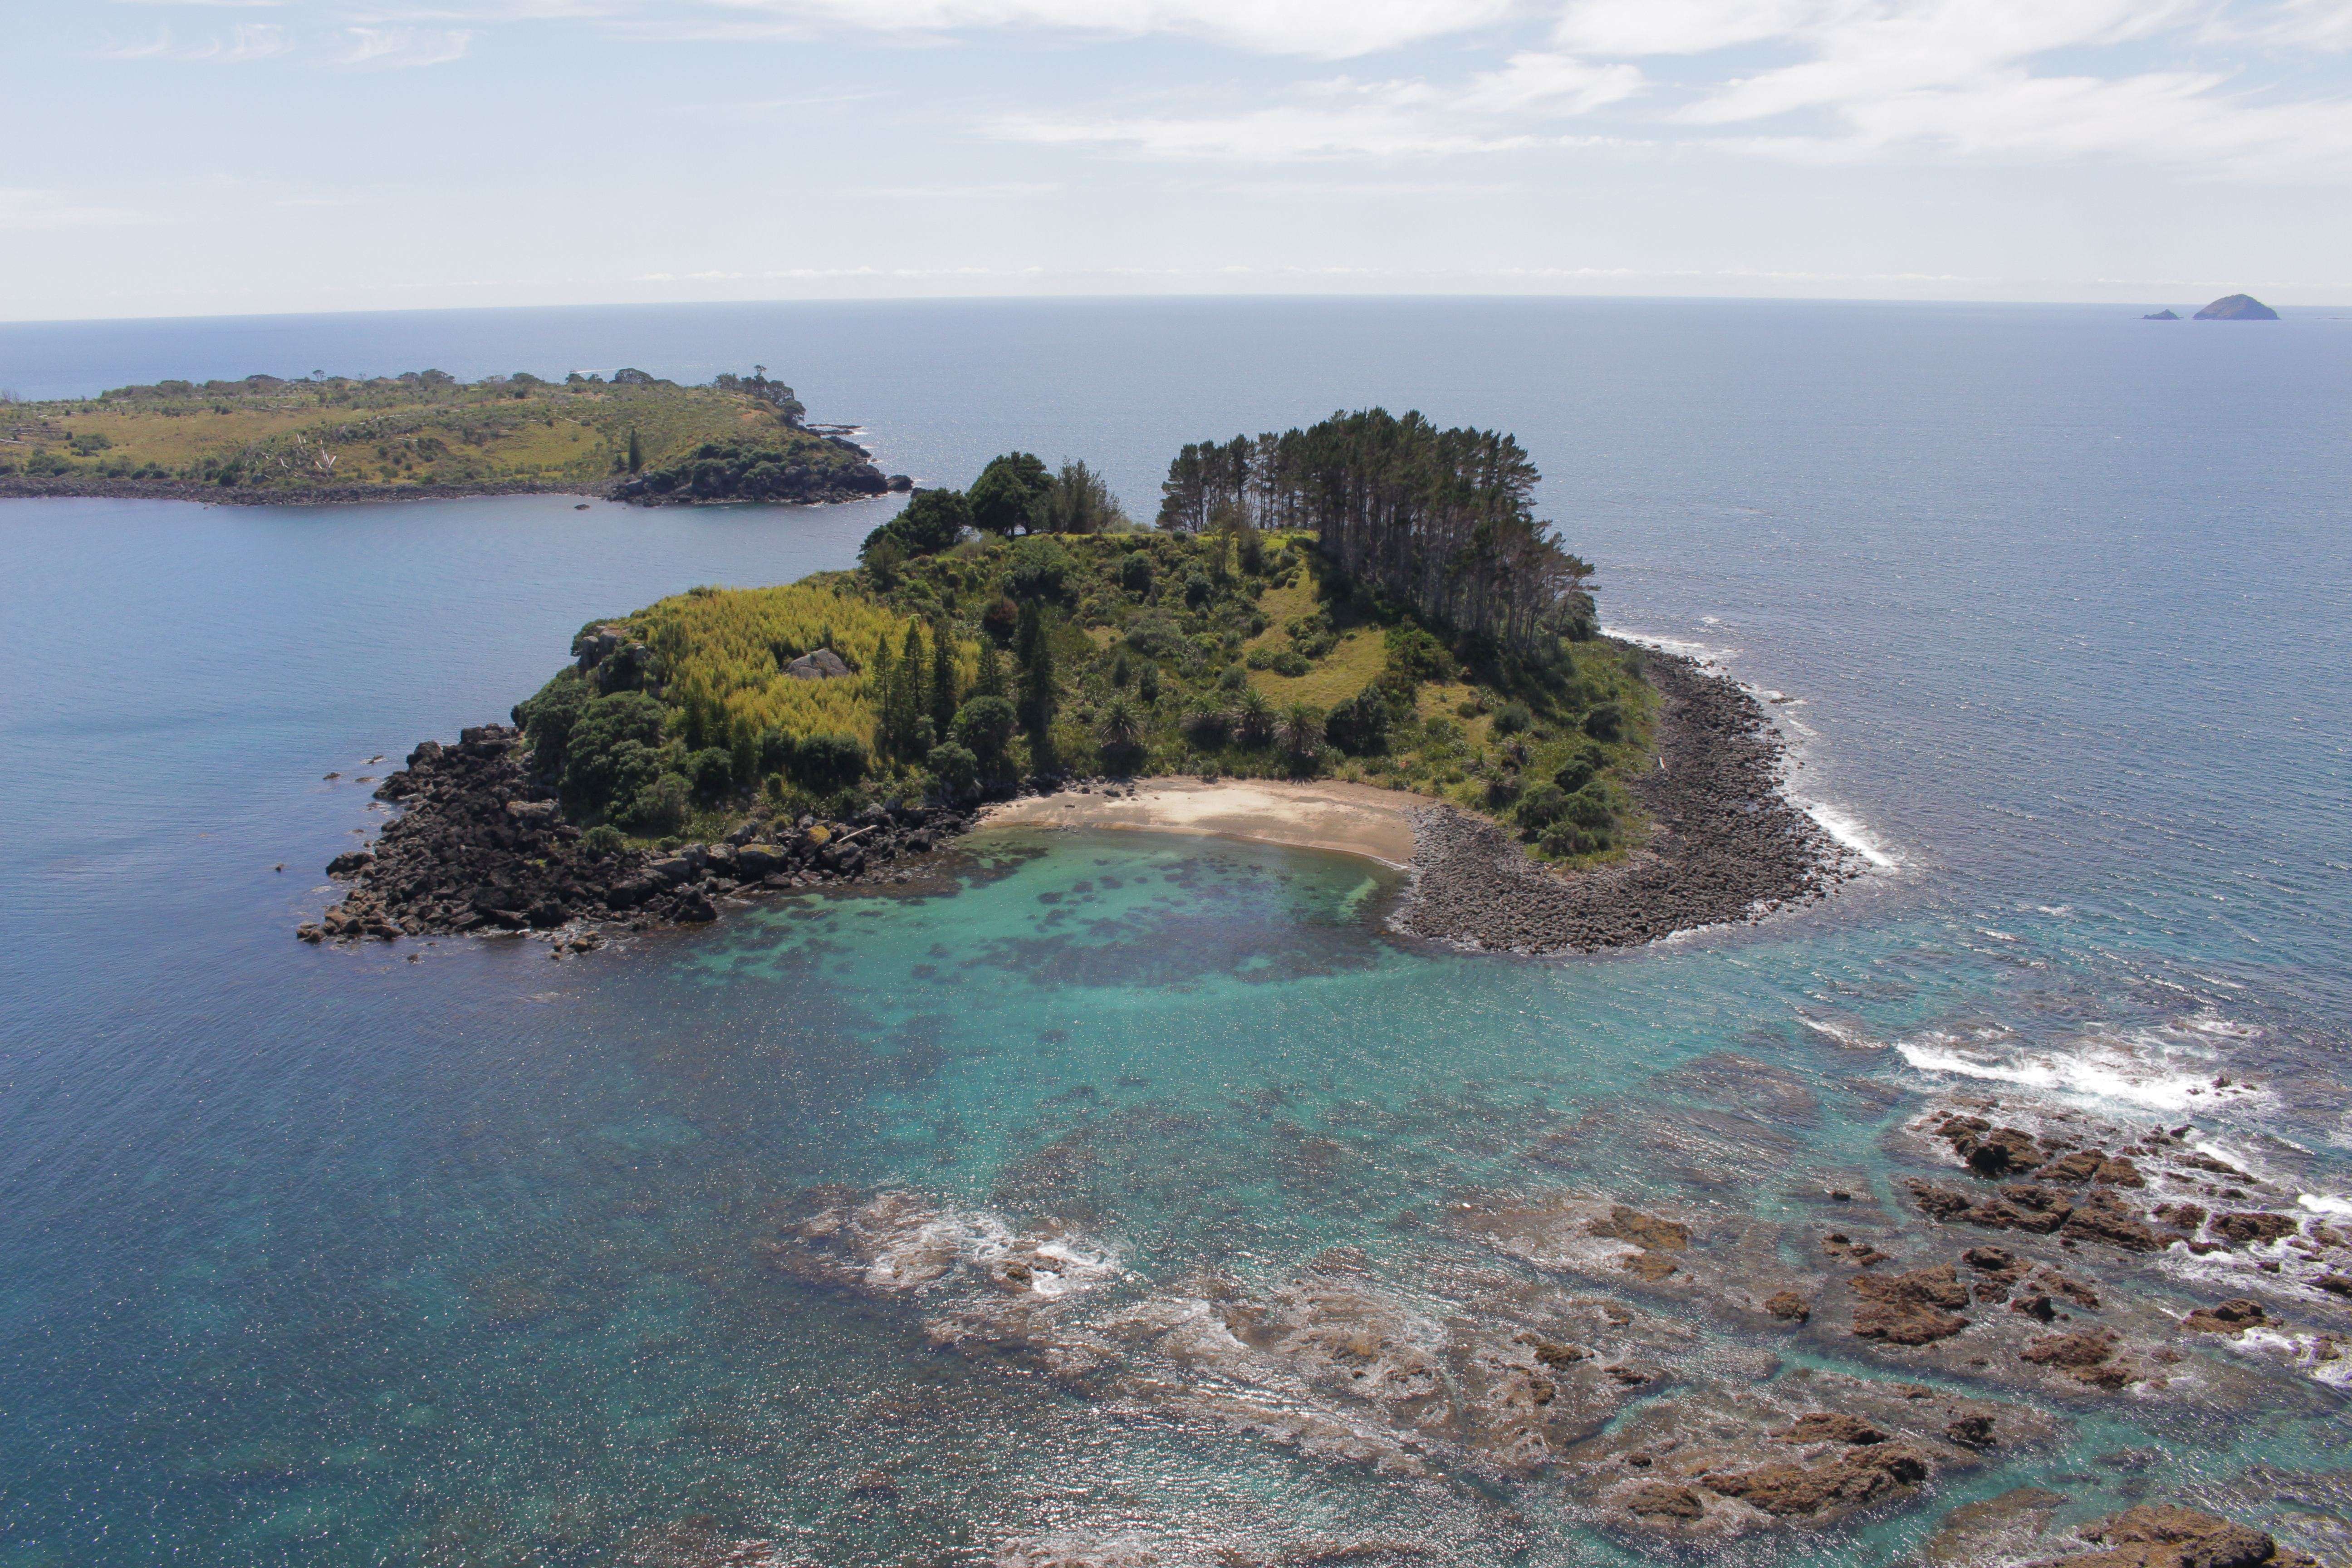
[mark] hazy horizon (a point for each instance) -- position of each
(233, 157)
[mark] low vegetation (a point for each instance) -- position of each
(267, 438)
(1058, 640)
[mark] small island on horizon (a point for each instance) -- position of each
(1362, 622)
(426, 435)
(2229, 308)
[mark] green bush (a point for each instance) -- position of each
(1512, 717)
(712, 772)
(603, 841)
(985, 726)
(953, 768)
(1135, 573)
(1566, 838)
(546, 718)
(1606, 722)
(1541, 806)
(1039, 568)
(660, 806)
(1360, 726)
(611, 750)
(823, 763)
(934, 521)
(1414, 652)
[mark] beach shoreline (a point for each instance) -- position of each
(1328, 814)
(1732, 846)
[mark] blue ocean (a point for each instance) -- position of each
(443, 1252)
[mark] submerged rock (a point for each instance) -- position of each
(2165, 1535)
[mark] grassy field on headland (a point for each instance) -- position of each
(425, 432)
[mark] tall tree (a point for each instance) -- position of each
(636, 452)
(943, 693)
(1033, 647)
(1011, 495)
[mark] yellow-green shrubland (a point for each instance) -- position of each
(424, 433)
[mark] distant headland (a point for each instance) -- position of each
(265, 439)
(1363, 619)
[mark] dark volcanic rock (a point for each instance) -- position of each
(2164, 1535)
(481, 846)
(1915, 1309)
(1730, 847)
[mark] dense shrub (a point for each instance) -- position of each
(1512, 717)
(985, 726)
(712, 772)
(1414, 652)
(823, 763)
(660, 806)
(747, 469)
(1360, 726)
(1541, 806)
(546, 718)
(1135, 573)
(603, 840)
(613, 750)
(1039, 570)
(934, 521)
(953, 768)
(1606, 722)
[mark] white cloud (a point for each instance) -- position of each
(1330, 29)
(1555, 83)
(1498, 112)
(244, 42)
(394, 47)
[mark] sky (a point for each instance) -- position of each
(201, 157)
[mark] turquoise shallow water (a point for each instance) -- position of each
(329, 1258)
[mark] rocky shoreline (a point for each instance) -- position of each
(1730, 847)
(1681, 1374)
(481, 848)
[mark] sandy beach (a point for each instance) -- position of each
(1347, 818)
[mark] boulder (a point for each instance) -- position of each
(2165, 1535)
(756, 860)
(823, 663)
(349, 863)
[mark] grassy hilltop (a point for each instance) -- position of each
(978, 646)
(426, 433)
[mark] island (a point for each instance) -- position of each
(265, 439)
(1363, 620)
(2236, 308)
(2162, 316)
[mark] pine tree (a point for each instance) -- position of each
(991, 673)
(943, 680)
(882, 685)
(1034, 649)
(636, 452)
(907, 703)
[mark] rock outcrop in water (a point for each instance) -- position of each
(481, 847)
(1730, 845)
